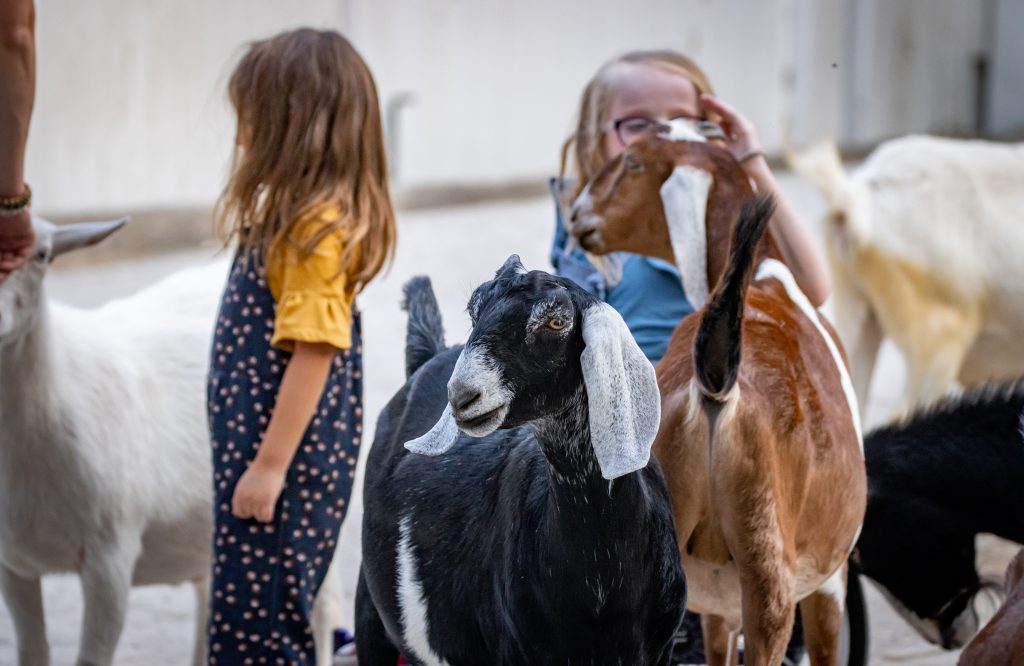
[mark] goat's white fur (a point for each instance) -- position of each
(924, 241)
(682, 129)
(684, 196)
(104, 450)
(411, 601)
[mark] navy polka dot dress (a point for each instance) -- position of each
(266, 575)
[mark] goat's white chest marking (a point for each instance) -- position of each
(835, 587)
(773, 268)
(411, 601)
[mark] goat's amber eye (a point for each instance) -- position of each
(557, 324)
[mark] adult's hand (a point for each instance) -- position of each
(17, 242)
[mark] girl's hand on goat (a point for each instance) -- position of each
(740, 134)
(257, 491)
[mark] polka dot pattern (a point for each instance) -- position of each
(265, 576)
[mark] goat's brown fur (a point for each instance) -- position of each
(1001, 641)
(768, 505)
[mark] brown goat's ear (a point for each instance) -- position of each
(622, 393)
(684, 196)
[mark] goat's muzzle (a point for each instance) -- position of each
(477, 395)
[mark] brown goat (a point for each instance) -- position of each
(1001, 641)
(760, 438)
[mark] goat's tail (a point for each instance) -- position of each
(424, 337)
(822, 166)
(716, 349)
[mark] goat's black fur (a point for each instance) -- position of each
(424, 337)
(525, 554)
(934, 482)
(716, 349)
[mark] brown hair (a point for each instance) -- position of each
(309, 138)
(585, 145)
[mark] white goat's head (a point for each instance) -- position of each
(20, 293)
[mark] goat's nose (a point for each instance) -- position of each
(462, 396)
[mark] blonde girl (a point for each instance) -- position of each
(622, 101)
(308, 207)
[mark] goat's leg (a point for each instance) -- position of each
(373, 647)
(327, 616)
(934, 340)
(106, 581)
(24, 598)
(932, 371)
(199, 649)
(768, 612)
(721, 643)
(822, 614)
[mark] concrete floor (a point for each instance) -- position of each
(458, 248)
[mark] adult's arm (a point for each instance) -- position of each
(17, 93)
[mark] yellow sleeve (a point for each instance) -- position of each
(314, 304)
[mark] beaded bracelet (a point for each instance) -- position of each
(10, 206)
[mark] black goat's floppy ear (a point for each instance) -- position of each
(622, 391)
(684, 196)
(439, 439)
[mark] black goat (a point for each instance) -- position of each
(934, 482)
(513, 546)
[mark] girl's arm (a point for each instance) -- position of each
(798, 248)
(303, 383)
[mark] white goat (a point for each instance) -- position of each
(104, 448)
(926, 241)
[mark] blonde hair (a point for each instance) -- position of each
(585, 146)
(309, 139)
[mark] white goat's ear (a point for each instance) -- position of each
(439, 439)
(73, 236)
(622, 392)
(684, 195)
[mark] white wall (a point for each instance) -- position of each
(497, 83)
(1006, 108)
(131, 111)
(913, 67)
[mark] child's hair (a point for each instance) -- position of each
(585, 146)
(309, 137)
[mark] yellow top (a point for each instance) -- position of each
(314, 300)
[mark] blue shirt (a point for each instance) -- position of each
(649, 296)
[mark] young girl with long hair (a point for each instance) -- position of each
(308, 207)
(620, 103)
